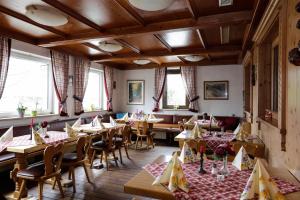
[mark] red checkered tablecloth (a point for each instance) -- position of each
(206, 186)
(55, 137)
(213, 141)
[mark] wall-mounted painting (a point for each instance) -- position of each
(135, 90)
(216, 90)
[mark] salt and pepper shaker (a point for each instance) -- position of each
(214, 169)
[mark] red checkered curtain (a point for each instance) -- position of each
(108, 83)
(5, 44)
(188, 75)
(60, 71)
(159, 84)
(81, 74)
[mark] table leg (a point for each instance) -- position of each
(21, 163)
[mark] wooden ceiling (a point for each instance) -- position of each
(187, 27)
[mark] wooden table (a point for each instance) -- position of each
(254, 147)
(203, 124)
(21, 153)
(141, 184)
(87, 128)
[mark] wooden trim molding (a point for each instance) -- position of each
(283, 139)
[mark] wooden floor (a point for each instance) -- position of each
(107, 184)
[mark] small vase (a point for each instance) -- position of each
(21, 113)
(33, 113)
(224, 169)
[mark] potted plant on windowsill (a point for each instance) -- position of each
(34, 112)
(21, 110)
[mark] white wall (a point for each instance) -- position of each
(44, 52)
(232, 73)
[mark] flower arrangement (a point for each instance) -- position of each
(224, 150)
(140, 114)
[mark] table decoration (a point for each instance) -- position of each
(21, 110)
(151, 116)
(36, 138)
(244, 131)
(133, 116)
(201, 169)
(207, 187)
(242, 161)
(8, 135)
(187, 154)
(197, 132)
(70, 131)
(192, 120)
(77, 123)
(173, 176)
(125, 117)
(214, 169)
(222, 152)
(261, 184)
(112, 121)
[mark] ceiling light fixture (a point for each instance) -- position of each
(194, 58)
(110, 47)
(141, 61)
(153, 5)
(46, 15)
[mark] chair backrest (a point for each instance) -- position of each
(111, 134)
(126, 133)
(52, 158)
(142, 128)
(83, 144)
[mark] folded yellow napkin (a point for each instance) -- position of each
(187, 155)
(197, 132)
(125, 117)
(43, 132)
(77, 123)
(70, 131)
(261, 183)
(192, 120)
(237, 130)
(242, 161)
(243, 132)
(173, 176)
(151, 116)
(133, 116)
(36, 138)
(213, 120)
(112, 121)
(8, 135)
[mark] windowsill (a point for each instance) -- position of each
(169, 109)
(273, 122)
(27, 117)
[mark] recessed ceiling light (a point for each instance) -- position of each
(151, 5)
(46, 15)
(141, 61)
(194, 58)
(110, 47)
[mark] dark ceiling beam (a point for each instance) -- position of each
(182, 59)
(201, 38)
(17, 36)
(258, 13)
(227, 61)
(216, 20)
(63, 8)
(192, 8)
(233, 49)
(163, 42)
(27, 20)
(96, 48)
(130, 11)
(126, 44)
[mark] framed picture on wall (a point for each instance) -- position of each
(136, 92)
(216, 90)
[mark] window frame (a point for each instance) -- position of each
(165, 95)
(275, 44)
(101, 94)
(50, 87)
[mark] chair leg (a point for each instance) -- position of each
(126, 151)
(21, 188)
(92, 160)
(136, 142)
(120, 153)
(86, 173)
(70, 175)
(41, 186)
(54, 183)
(59, 186)
(106, 155)
(147, 138)
(73, 179)
(101, 157)
(141, 138)
(114, 155)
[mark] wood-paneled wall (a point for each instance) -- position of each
(281, 150)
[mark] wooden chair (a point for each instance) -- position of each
(123, 141)
(72, 160)
(49, 168)
(143, 131)
(106, 146)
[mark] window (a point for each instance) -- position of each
(95, 97)
(174, 96)
(275, 79)
(29, 82)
